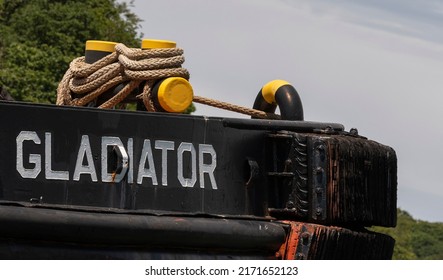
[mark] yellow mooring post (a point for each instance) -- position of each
(172, 94)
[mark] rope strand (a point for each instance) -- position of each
(235, 108)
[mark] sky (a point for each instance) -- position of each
(373, 65)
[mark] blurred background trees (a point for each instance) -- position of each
(415, 239)
(39, 38)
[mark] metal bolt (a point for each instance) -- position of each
(305, 237)
(299, 256)
(318, 211)
(36, 200)
(318, 190)
(288, 165)
(319, 169)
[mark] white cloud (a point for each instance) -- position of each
(417, 19)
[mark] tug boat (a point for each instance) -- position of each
(81, 182)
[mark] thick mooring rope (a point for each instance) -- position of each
(83, 83)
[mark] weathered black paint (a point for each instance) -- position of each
(68, 124)
(237, 143)
(264, 168)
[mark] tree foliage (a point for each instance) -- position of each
(415, 239)
(39, 38)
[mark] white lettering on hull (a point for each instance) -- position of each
(192, 164)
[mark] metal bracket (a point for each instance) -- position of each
(304, 244)
(318, 178)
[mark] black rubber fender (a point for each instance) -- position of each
(283, 94)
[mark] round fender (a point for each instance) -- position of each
(283, 94)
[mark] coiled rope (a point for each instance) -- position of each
(83, 83)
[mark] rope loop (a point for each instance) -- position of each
(83, 83)
(132, 73)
